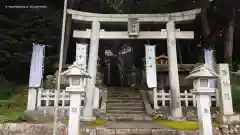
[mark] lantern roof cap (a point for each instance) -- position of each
(202, 71)
(75, 70)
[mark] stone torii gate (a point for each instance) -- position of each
(133, 32)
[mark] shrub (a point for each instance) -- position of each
(5, 88)
(236, 98)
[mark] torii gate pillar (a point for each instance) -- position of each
(176, 110)
(92, 71)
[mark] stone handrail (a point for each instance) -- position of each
(161, 18)
(103, 96)
(148, 108)
(96, 98)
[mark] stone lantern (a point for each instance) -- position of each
(76, 76)
(201, 77)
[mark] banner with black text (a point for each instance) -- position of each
(151, 74)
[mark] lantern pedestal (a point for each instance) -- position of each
(88, 118)
(203, 109)
(75, 109)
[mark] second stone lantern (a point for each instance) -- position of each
(201, 77)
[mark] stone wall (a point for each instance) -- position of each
(30, 129)
(189, 113)
(46, 129)
(232, 129)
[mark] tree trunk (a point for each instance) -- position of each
(205, 29)
(228, 44)
(204, 20)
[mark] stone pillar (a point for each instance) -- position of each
(66, 38)
(74, 114)
(92, 71)
(226, 106)
(32, 99)
(176, 110)
(204, 115)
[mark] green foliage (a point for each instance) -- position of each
(95, 123)
(22, 29)
(50, 82)
(180, 125)
(5, 88)
(13, 101)
(12, 110)
(9, 116)
(140, 6)
(235, 97)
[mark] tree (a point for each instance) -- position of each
(224, 15)
(139, 6)
(21, 29)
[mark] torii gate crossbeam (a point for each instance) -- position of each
(125, 35)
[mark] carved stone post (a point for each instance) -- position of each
(225, 90)
(226, 107)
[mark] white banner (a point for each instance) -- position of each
(81, 55)
(208, 55)
(37, 66)
(151, 72)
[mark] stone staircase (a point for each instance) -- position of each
(124, 105)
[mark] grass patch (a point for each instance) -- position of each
(235, 97)
(13, 102)
(180, 125)
(96, 123)
(12, 112)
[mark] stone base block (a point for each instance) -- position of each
(87, 118)
(46, 114)
(228, 119)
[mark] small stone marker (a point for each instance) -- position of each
(226, 106)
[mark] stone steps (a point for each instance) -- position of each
(140, 108)
(126, 111)
(124, 101)
(125, 104)
(124, 93)
(119, 114)
(129, 98)
(125, 117)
